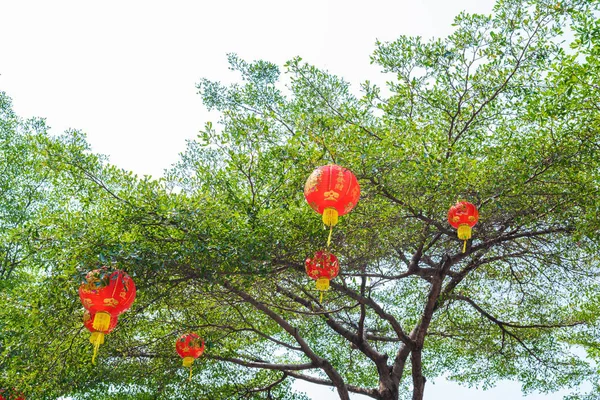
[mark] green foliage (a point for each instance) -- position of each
(499, 113)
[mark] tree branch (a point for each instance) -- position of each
(354, 389)
(263, 365)
(375, 307)
(322, 363)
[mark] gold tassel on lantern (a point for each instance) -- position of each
(464, 233)
(101, 321)
(97, 338)
(188, 362)
(322, 285)
(330, 219)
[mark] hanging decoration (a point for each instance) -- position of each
(189, 346)
(332, 191)
(463, 216)
(323, 267)
(106, 292)
(97, 337)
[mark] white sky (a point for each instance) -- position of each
(124, 72)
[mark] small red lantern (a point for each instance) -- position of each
(323, 267)
(332, 191)
(106, 292)
(189, 346)
(463, 216)
(97, 337)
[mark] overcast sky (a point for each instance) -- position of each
(124, 72)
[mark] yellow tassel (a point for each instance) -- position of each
(97, 338)
(101, 321)
(464, 233)
(322, 284)
(187, 362)
(330, 219)
(330, 216)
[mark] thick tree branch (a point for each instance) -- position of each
(360, 332)
(322, 363)
(357, 340)
(375, 307)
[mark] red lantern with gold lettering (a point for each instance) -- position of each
(323, 267)
(106, 293)
(189, 346)
(332, 191)
(97, 337)
(463, 216)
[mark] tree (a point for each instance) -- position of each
(499, 113)
(31, 194)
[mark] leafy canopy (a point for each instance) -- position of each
(501, 113)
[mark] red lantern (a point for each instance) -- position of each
(332, 191)
(323, 267)
(97, 337)
(189, 346)
(106, 292)
(463, 216)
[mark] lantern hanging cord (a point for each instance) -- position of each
(321, 297)
(329, 237)
(190, 378)
(465, 247)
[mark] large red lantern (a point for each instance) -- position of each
(106, 292)
(97, 337)
(332, 191)
(463, 216)
(323, 267)
(189, 346)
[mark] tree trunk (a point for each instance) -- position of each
(417, 374)
(389, 394)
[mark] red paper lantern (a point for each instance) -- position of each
(106, 292)
(332, 191)
(463, 216)
(323, 267)
(189, 346)
(97, 337)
